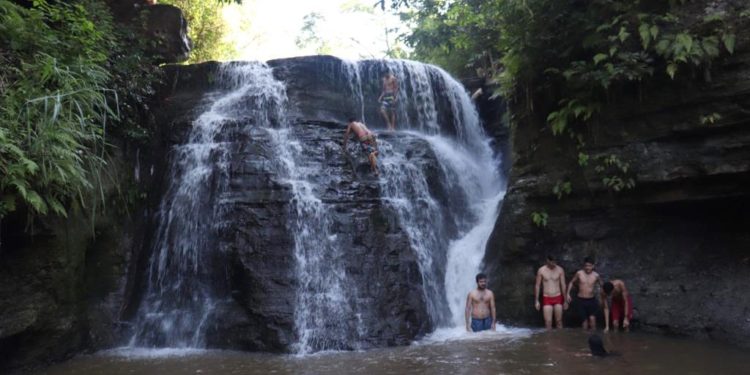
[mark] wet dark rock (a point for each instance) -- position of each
(260, 247)
(166, 26)
(61, 289)
(678, 239)
(163, 26)
(258, 291)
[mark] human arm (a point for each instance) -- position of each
(492, 308)
(537, 284)
(603, 303)
(626, 303)
(562, 287)
(346, 135)
(467, 312)
(570, 286)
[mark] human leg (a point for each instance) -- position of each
(589, 308)
(373, 163)
(384, 113)
(558, 315)
(547, 313)
(618, 312)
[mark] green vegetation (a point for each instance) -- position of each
(571, 58)
(206, 29)
(309, 35)
(539, 218)
(68, 80)
(55, 104)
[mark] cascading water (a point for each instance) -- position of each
(324, 306)
(181, 290)
(450, 243)
(446, 201)
(449, 228)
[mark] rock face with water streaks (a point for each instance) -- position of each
(679, 238)
(260, 233)
(257, 306)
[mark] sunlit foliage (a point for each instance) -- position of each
(206, 29)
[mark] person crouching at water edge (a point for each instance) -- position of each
(368, 141)
(552, 278)
(480, 306)
(622, 304)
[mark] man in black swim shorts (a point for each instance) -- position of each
(586, 302)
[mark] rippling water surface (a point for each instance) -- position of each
(508, 351)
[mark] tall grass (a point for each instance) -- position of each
(55, 106)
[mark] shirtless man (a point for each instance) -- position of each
(622, 304)
(387, 99)
(367, 139)
(587, 280)
(480, 306)
(553, 278)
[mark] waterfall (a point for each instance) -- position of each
(180, 291)
(449, 237)
(440, 183)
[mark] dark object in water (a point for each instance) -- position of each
(597, 346)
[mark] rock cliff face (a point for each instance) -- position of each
(679, 238)
(258, 275)
(63, 281)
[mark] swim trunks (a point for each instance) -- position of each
(481, 324)
(587, 307)
(368, 146)
(388, 102)
(551, 301)
(618, 308)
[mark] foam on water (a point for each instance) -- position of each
(453, 334)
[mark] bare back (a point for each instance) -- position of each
(551, 279)
(360, 129)
(619, 289)
(480, 303)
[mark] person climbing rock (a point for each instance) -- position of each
(480, 306)
(388, 98)
(367, 140)
(622, 305)
(552, 279)
(587, 280)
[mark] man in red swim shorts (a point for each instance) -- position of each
(552, 278)
(622, 304)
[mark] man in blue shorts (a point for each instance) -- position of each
(480, 306)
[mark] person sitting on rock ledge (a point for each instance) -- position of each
(367, 139)
(622, 304)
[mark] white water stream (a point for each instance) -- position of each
(447, 225)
